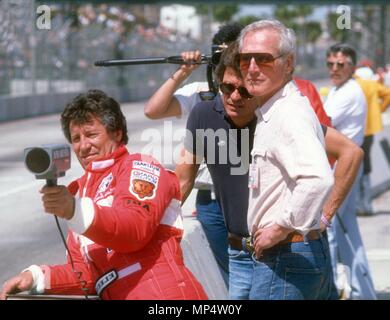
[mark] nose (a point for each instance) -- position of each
(334, 67)
(253, 67)
(235, 96)
(85, 145)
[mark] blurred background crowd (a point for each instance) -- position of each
(61, 59)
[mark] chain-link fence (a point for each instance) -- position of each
(36, 61)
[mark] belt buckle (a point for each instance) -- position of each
(249, 244)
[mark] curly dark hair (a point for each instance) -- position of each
(94, 103)
(227, 33)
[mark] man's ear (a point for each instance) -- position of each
(290, 62)
(117, 135)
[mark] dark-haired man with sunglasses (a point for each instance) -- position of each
(346, 105)
(230, 121)
(171, 100)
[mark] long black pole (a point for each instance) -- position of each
(173, 59)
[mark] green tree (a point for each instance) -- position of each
(220, 13)
(296, 17)
(245, 20)
(313, 32)
(303, 10)
(285, 14)
(224, 13)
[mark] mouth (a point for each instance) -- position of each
(88, 158)
(254, 81)
(235, 108)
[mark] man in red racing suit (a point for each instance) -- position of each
(124, 235)
(125, 241)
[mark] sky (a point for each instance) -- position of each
(267, 10)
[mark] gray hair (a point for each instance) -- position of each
(287, 43)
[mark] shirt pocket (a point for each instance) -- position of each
(267, 170)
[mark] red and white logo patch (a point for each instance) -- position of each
(143, 184)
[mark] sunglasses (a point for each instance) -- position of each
(262, 59)
(228, 88)
(339, 65)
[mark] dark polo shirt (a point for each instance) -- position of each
(226, 149)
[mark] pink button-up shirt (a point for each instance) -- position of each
(291, 175)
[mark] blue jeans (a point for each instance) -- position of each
(346, 247)
(293, 271)
(240, 274)
(210, 216)
(364, 201)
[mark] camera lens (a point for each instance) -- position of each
(215, 58)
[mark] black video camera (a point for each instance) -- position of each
(48, 161)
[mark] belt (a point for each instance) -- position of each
(245, 243)
(240, 243)
(205, 196)
(297, 237)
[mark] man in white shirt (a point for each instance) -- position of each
(346, 106)
(290, 177)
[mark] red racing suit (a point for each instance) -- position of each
(308, 89)
(124, 237)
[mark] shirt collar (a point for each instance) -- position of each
(265, 111)
(345, 83)
(107, 161)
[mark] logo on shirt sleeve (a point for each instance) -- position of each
(143, 184)
(146, 166)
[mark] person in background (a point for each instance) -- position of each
(378, 99)
(308, 89)
(364, 70)
(380, 75)
(346, 106)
